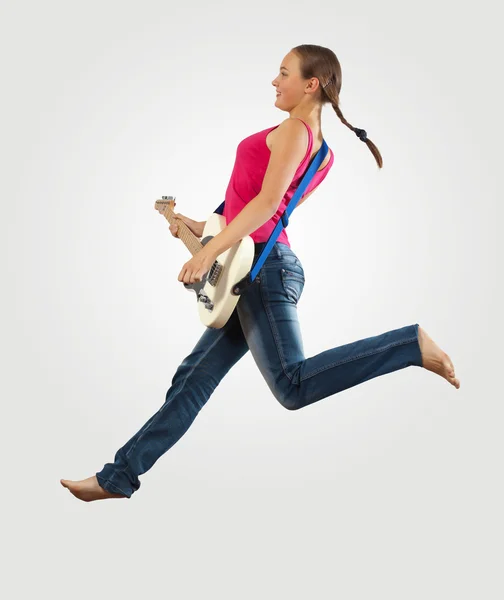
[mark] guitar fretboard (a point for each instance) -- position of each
(191, 242)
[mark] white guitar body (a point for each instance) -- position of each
(214, 296)
(216, 301)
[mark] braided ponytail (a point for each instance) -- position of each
(322, 63)
(360, 133)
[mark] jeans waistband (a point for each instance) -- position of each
(278, 250)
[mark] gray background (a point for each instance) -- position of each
(391, 489)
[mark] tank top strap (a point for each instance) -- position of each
(310, 142)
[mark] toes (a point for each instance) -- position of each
(455, 382)
(448, 365)
(452, 379)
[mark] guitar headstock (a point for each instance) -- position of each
(164, 203)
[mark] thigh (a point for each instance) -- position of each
(216, 351)
(269, 319)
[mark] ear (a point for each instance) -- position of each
(313, 85)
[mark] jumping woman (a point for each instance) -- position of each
(265, 320)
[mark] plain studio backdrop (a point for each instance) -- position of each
(391, 489)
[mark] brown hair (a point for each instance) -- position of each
(322, 63)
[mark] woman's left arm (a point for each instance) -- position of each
(251, 217)
(254, 214)
(287, 152)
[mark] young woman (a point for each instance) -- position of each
(265, 320)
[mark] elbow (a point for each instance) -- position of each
(271, 203)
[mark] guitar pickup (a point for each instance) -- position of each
(214, 273)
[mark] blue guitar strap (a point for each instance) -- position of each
(318, 159)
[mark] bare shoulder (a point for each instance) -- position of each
(294, 127)
(287, 152)
(290, 132)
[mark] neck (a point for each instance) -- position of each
(310, 114)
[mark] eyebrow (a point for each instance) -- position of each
(284, 68)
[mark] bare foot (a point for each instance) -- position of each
(435, 360)
(88, 489)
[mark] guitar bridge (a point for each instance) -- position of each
(206, 301)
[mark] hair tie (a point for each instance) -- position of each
(361, 133)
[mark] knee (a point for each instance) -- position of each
(288, 388)
(292, 406)
(288, 400)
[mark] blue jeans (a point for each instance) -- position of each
(265, 321)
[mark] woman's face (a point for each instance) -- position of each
(288, 83)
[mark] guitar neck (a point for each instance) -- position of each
(191, 242)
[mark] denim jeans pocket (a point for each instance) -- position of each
(293, 284)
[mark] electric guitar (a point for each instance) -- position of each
(214, 296)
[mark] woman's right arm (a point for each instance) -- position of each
(195, 226)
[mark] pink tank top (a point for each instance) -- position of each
(252, 157)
